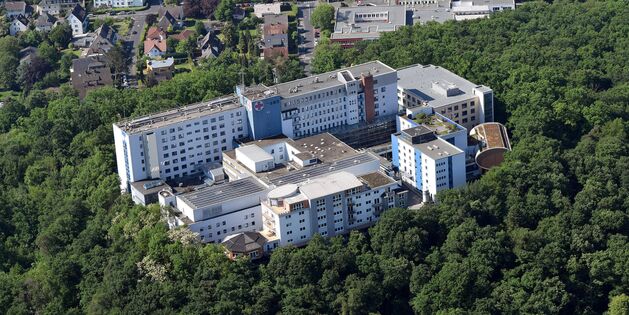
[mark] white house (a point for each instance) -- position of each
(78, 21)
(18, 25)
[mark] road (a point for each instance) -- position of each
(132, 39)
(306, 34)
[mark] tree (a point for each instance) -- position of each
(48, 52)
(619, 305)
(323, 17)
(61, 35)
(8, 70)
(199, 28)
(225, 10)
(31, 72)
(150, 19)
(119, 63)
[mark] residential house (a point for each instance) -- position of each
(89, 73)
(161, 69)
(156, 33)
(183, 35)
(174, 11)
(102, 40)
(27, 54)
(45, 22)
(262, 9)
(15, 8)
(18, 25)
(155, 47)
(78, 21)
(55, 7)
(275, 45)
(210, 45)
(167, 21)
(275, 24)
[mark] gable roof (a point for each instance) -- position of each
(20, 18)
(45, 19)
(244, 242)
(15, 6)
(104, 40)
(183, 35)
(155, 43)
(155, 32)
(79, 13)
(166, 21)
(175, 11)
(210, 45)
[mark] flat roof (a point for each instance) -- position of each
(437, 123)
(435, 149)
(149, 186)
(429, 83)
(492, 134)
(221, 193)
(255, 153)
(173, 116)
(329, 184)
(315, 82)
(369, 19)
(376, 179)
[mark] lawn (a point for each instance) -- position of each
(76, 52)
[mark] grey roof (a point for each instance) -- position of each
(275, 19)
(150, 186)
(275, 40)
(376, 179)
(90, 72)
(166, 63)
(210, 45)
(79, 13)
(45, 19)
(176, 12)
(368, 21)
(166, 20)
(105, 38)
(435, 85)
(255, 153)
(244, 242)
(323, 80)
(218, 194)
(424, 15)
(22, 19)
(172, 116)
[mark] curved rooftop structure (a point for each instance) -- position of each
(493, 144)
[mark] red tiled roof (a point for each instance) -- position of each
(159, 44)
(183, 35)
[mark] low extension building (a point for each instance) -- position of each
(492, 142)
(354, 24)
(118, 3)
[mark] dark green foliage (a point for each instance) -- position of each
(544, 233)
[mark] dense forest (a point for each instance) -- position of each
(545, 233)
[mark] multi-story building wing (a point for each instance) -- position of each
(319, 103)
(179, 142)
(330, 205)
(464, 102)
(427, 162)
